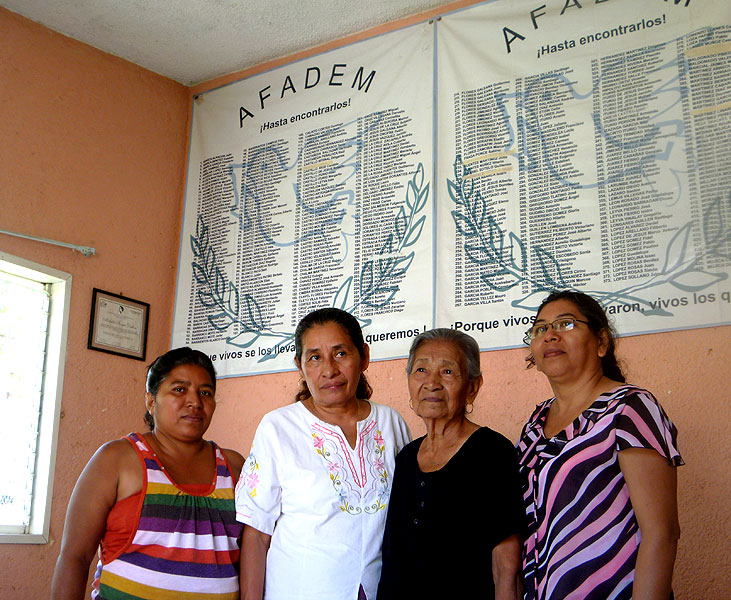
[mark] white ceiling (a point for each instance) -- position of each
(192, 41)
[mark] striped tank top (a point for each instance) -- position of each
(185, 546)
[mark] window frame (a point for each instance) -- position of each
(58, 320)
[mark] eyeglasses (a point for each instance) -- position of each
(559, 325)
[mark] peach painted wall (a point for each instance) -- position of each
(93, 152)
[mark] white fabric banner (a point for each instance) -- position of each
(584, 145)
(309, 186)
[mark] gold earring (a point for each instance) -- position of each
(411, 403)
(472, 407)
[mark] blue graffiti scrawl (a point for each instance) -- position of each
(252, 179)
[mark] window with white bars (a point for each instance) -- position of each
(34, 302)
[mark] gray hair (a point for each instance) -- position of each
(464, 342)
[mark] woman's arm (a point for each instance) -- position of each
(652, 485)
(506, 568)
(93, 497)
(253, 562)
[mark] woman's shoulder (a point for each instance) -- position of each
(539, 412)
(410, 450)
(235, 461)
(117, 463)
(628, 395)
(288, 413)
(630, 391)
(641, 422)
(391, 423)
(282, 426)
(485, 439)
(640, 404)
(116, 450)
(486, 435)
(284, 411)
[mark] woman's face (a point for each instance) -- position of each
(331, 364)
(184, 404)
(567, 355)
(439, 386)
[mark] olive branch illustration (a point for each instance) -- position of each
(376, 281)
(504, 259)
(377, 274)
(222, 295)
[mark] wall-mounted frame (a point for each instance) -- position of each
(118, 325)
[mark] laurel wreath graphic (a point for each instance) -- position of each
(377, 275)
(376, 283)
(504, 257)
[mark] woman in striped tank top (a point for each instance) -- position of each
(158, 505)
(598, 466)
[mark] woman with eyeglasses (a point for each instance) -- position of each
(598, 467)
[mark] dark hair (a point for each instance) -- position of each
(598, 322)
(352, 328)
(160, 368)
(466, 343)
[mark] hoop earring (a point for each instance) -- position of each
(472, 407)
(411, 403)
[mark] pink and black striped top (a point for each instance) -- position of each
(583, 536)
(185, 545)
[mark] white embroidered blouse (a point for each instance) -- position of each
(323, 502)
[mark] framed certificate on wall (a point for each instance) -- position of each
(118, 325)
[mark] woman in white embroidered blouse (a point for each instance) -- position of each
(315, 487)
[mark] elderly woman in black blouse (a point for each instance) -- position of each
(455, 503)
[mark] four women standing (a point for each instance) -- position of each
(596, 467)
